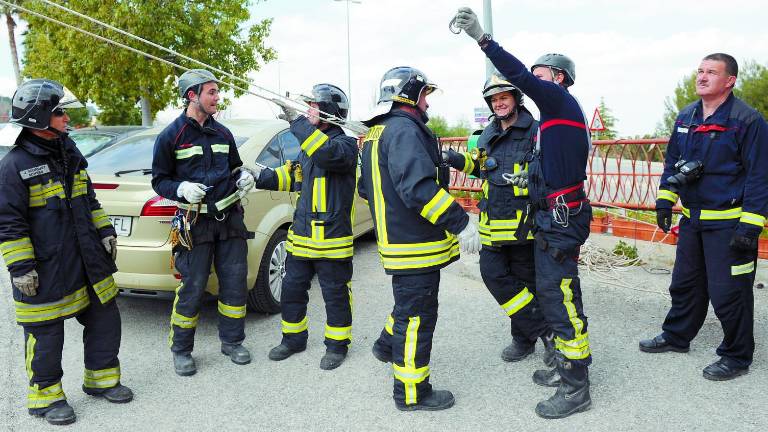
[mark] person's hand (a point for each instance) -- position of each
(467, 20)
(110, 244)
(745, 237)
(664, 219)
(469, 239)
(246, 181)
(27, 283)
(519, 179)
(289, 113)
(192, 192)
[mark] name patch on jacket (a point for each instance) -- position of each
(34, 172)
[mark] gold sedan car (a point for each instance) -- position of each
(121, 176)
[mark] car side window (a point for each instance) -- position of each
(270, 156)
(290, 145)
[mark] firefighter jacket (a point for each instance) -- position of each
(503, 207)
(415, 218)
(51, 222)
(732, 145)
(186, 151)
(564, 139)
(324, 177)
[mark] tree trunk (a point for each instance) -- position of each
(146, 112)
(12, 41)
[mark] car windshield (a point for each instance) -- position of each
(90, 143)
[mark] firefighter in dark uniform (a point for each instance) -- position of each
(506, 258)
(320, 239)
(196, 163)
(716, 166)
(59, 247)
(416, 222)
(556, 174)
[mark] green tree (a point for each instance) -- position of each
(609, 121)
(752, 86)
(441, 128)
(116, 79)
(685, 94)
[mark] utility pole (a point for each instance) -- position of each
(349, 59)
(488, 26)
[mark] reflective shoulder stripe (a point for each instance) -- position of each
(743, 268)
(314, 142)
(232, 311)
(17, 250)
(289, 327)
(101, 379)
(66, 307)
(220, 148)
(100, 218)
(437, 206)
(189, 152)
(667, 195)
(752, 218)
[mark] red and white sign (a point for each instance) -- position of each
(597, 124)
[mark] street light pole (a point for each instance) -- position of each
(349, 57)
(488, 25)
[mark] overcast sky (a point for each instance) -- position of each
(631, 53)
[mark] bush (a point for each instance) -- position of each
(625, 250)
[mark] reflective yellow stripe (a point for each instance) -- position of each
(40, 193)
(17, 250)
(37, 398)
(178, 319)
(517, 302)
(220, 148)
(31, 341)
(67, 306)
(224, 203)
(106, 289)
(319, 199)
(298, 327)
(389, 326)
(410, 375)
(409, 361)
(752, 218)
(232, 311)
(667, 195)
(499, 230)
(189, 152)
(520, 192)
(437, 206)
(341, 247)
(338, 333)
(578, 347)
(101, 379)
(314, 142)
(734, 213)
(419, 255)
(743, 269)
(469, 164)
(283, 178)
(80, 184)
(379, 207)
(100, 218)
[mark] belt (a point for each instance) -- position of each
(571, 197)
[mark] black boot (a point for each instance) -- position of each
(436, 401)
(282, 352)
(382, 355)
(332, 360)
(184, 364)
(59, 414)
(236, 352)
(117, 394)
(547, 377)
(548, 340)
(573, 394)
(517, 351)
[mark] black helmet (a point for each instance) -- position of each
(35, 100)
(404, 84)
(330, 100)
(495, 85)
(193, 78)
(560, 63)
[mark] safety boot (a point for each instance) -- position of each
(572, 395)
(659, 345)
(436, 401)
(381, 354)
(236, 352)
(722, 370)
(59, 413)
(117, 394)
(517, 351)
(184, 364)
(332, 360)
(548, 340)
(282, 352)
(547, 377)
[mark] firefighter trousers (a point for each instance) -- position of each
(335, 277)
(43, 352)
(707, 268)
(510, 276)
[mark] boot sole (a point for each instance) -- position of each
(725, 378)
(101, 395)
(283, 358)
(235, 361)
(668, 348)
(418, 407)
(62, 422)
(186, 373)
(581, 408)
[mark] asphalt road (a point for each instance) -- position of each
(630, 390)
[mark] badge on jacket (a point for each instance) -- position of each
(34, 172)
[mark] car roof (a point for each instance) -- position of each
(258, 130)
(107, 130)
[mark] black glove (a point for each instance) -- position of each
(743, 242)
(664, 219)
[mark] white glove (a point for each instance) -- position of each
(469, 239)
(467, 21)
(27, 283)
(289, 114)
(110, 244)
(192, 192)
(246, 181)
(519, 179)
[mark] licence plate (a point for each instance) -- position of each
(122, 225)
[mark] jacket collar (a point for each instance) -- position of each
(413, 118)
(37, 146)
(524, 121)
(209, 126)
(721, 114)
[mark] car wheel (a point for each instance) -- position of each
(265, 295)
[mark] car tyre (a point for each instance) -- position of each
(265, 295)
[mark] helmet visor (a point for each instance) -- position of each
(68, 101)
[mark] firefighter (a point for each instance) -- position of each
(320, 239)
(416, 223)
(196, 163)
(59, 247)
(506, 257)
(556, 174)
(715, 165)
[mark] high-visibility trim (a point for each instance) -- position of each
(189, 152)
(667, 195)
(389, 327)
(17, 250)
(236, 312)
(319, 198)
(40, 193)
(495, 231)
(80, 184)
(314, 142)
(106, 289)
(224, 203)
(299, 327)
(379, 205)
(220, 148)
(30, 355)
(752, 218)
(517, 302)
(410, 375)
(182, 321)
(437, 206)
(173, 308)
(37, 398)
(351, 302)
(578, 347)
(469, 164)
(101, 379)
(100, 218)
(409, 371)
(419, 255)
(734, 213)
(66, 307)
(562, 122)
(518, 191)
(341, 247)
(741, 269)
(338, 333)
(283, 178)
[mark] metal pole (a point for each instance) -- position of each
(488, 26)
(349, 69)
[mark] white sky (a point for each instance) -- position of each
(631, 53)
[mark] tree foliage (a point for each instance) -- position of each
(441, 128)
(609, 121)
(114, 78)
